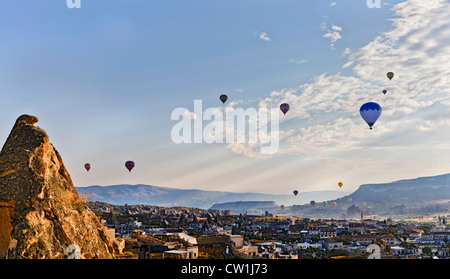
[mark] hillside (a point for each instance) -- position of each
(165, 196)
(408, 191)
(402, 198)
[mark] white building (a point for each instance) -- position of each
(328, 233)
(306, 245)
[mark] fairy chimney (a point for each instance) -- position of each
(41, 214)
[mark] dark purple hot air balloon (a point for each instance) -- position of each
(284, 107)
(87, 166)
(129, 165)
(384, 91)
(223, 98)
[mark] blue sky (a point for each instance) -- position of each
(104, 79)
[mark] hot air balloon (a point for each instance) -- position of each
(384, 91)
(370, 112)
(223, 98)
(312, 203)
(129, 165)
(282, 207)
(333, 204)
(295, 192)
(340, 184)
(349, 200)
(87, 166)
(284, 108)
(390, 75)
(364, 204)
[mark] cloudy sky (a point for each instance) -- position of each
(104, 79)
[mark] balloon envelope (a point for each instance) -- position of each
(295, 192)
(333, 204)
(340, 184)
(284, 107)
(370, 112)
(390, 75)
(312, 203)
(129, 165)
(384, 91)
(223, 98)
(87, 166)
(349, 200)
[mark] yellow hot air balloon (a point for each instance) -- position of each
(340, 184)
(390, 75)
(333, 204)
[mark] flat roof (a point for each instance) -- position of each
(177, 251)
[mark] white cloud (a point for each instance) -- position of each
(324, 115)
(263, 36)
(297, 61)
(334, 34)
(332, 4)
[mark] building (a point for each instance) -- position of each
(327, 233)
(366, 239)
(180, 254)
(414, 233)
(369, 222)
(333, 245)
(248, 251)
(403, 253)
(306, 245)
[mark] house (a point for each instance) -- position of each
(366, 239)
(250, 251)
(327, 233)
(443, 253)
(356, 228)
(191, 253)
(414, 233)
(402, 252)
(238, 240)
(357, 250)
(433, 238)
(369, 222)
(440, 235)
(306, 245)
(314, 231)
(332, 245)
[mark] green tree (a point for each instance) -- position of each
(427, 250)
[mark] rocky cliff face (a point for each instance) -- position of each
(41, 214)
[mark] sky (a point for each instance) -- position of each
(104, 79)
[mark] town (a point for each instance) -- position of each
(151, 232)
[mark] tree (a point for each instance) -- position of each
(427, 250)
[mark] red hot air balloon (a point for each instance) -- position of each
(284, 108)
(129, 165)
(87, 166)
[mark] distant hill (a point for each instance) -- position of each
(250, 207)
(408, 191)
(166, 196)
(402, 198)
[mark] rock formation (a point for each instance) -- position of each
(41, 214)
